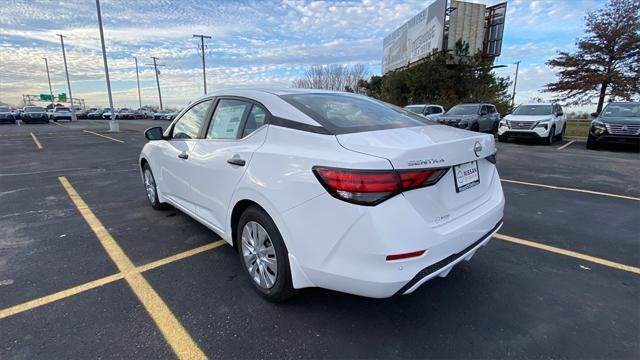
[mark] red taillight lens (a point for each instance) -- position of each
(405, 256)
(371, 187)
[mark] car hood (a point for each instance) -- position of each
(620, 120)
(421, 146)
(527, 117)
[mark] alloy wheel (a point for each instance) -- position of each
(150, 186)
(259, 255)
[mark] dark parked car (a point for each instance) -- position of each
(6, 115)
(34, 114)
(619, 122)
(472, 116)
(95, 114)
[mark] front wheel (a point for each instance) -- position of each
(551, 136)
(151, 188)
(475, 127)
(561, 135)
(592, 145)
(263, 255)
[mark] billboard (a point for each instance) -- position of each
(494, 29)
(415, 39)
(466, 23)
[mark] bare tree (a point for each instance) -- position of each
(333, 77)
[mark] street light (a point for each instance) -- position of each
(515, 83)
(66, 70)
(46, 64)
(114, 126)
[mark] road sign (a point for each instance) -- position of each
(46, 97)
(62, 97)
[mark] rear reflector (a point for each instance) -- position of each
(371, 187)
(405, 256)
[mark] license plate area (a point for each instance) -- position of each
(466, 176)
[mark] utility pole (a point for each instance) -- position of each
(515, 83)
(114, 126)
(204, 72)
(66, 70)
(46, 64)
(155, 67)
(138, 80)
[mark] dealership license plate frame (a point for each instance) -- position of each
(468, 184)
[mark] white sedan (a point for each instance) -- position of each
(327, 189)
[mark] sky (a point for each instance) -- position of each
(254, 43)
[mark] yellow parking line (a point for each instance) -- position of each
(567, 144)
(570, 253)
(172, 330)
(572, 189)
(35, 139)
(104, 136)
(32, 304)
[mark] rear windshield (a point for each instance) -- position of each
(62, 109)
(622, 110)
(471, 109)
(345, 113)
(34, 109)
(533, 110)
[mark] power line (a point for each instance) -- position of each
(204, 72)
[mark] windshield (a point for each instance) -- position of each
(471, 109)
(622, 110)
(4, 109)
(533, 110)
(414, 109)
(343, 113)
(34, 109)
(62, 109)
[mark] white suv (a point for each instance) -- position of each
(327, 189)
(534, 121)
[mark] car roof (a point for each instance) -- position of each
(538, 104)
(423, 105)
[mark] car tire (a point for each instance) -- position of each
(475, 127)
(592, 145)
(551, 137)
(258, 257)
(502, 138)
(151, 189)
(560, 136)
(494, 128)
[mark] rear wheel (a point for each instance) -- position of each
(502, 138)
(494, 129)
(592, 145)
(263, 255)
(561, 135)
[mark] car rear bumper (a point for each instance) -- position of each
(344, 247)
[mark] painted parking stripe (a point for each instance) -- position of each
(571, 189)
(570, 253)
(104, 136)
(32, 304)
(567, 144)
(35, 140)
(174, 333)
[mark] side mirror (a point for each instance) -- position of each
(594, 115)
(154, 133)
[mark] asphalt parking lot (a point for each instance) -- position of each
(88, 269)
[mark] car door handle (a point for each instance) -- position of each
(183, 156)
(236, 161)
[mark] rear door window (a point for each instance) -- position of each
(344, 113)
(227, 119)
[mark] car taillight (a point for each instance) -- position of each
(371, 187)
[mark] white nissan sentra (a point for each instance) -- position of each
(327, 189)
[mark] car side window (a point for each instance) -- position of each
(559, 109)
(256, 118)
(492, 109)
(227, 119)
(436, 110)
(484, 109)
(188, 126)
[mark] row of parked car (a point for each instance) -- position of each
(38, 114)
(619, 122)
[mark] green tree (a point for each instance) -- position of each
(607, 61)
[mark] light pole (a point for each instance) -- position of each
(138, 80)
(155, 68)
(114, 126)
(66, 70)
(46, 64)
(204, 72)
(515, 83)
